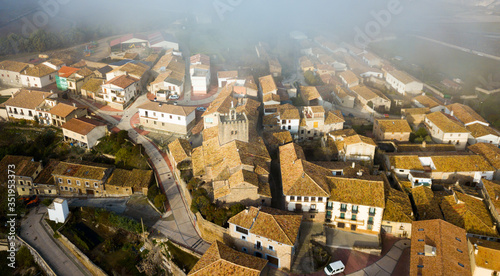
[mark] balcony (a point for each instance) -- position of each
(357, 222)
(313, 210)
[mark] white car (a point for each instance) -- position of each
(334, 268)
(173, 97)
(201, 108)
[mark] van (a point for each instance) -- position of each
(334, 268)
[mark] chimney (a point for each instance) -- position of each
(74, 104)
(359, 173)
(451, 113)
(476, 249)
(353, 165)
(424, 144)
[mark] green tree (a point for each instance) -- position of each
(24, 257)
(160, 199)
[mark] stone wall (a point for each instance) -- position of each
(93, 268)
(38, 259)
(211, 232)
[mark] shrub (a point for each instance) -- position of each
(47, 201)
(24, 257)
(159, 201)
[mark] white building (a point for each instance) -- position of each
(403, 82)
(31, 105)
(118, 91)
(445, 130)
(352, 209)
(10, 72)
(162, 40)
(226, 77)
(480, 133)
(200, 73)
(83, 132)
(38, 76)
(58, 210)
(167, 117)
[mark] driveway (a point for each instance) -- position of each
(53, 252)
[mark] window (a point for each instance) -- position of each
(370, 227)
(420, 266)
(460, 264)
(244, 250)
(320, 199)
(292, 198)
(289, 127)
(456, 238)
(353, 217)
(299, 198)
(179, 118)
(271, 247)
(244, 237)
(78, 182)
(340, 225)
(372, 211)
(87, 184)
(343, 207)
(342, 215)
(355, 209)
(420, 229)
(329, 204)
(370, 220)
(60, 180)
(313, 206)
(306, 199)
(460, 250)
(69, 181)
(241, 230)
(96, 185)
(353, 227)
(313, 198)
(420, 239)
(66, 188)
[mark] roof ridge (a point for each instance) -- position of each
(288, 238)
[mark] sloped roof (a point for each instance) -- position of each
(227, 74)
(81, 126)
(357, 191)
(14, 66)
(122, 81)
(427, 204)
(394, 125)
(356, 139)
(469, 213)
(168, 108)
(451, 249)
(406, 162)
(333, 117)
(349, 76)
(403, 76)
(267, 84)
(180, 149)
(221, 260)
(493, 190)
(63, 109)
(398, 207)
(274, 224)
(310, 92)
(445, 124)
(28, 99)
(427, 101)
(39, 70)
(66, 71)
(24, 166)
(488, 253)
(489, 151)
(479, 130)
(461, 163)
(94, 171)
(92, 85)
(465, 114)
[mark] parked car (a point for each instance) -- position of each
(173, 97)
(201, 108)
(175, 103)
(30, 201)
(334, 268)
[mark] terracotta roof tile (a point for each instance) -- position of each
(39, 70)
(310, 92)
(81, 126)
(267, 84)
(13, 66)
(357, 191)
(349, 76)
(398, 207)
(221, 260)
(168, 108)
(479, 130)
(427, 203)
(130, 178)
(489, 151)
(92, 85)
(394, 125)
(427, 101)
(29, 99)
(180, 149)
(334, 117)
(62, 110)
(488, 254)
(445, 124)
(122, 81)
(227, 74)
(465, 114)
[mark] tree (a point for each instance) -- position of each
(311, 78)
(160, 199)
(370, 104)
(24, 257)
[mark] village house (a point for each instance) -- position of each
(310, 95)
(222, 260)
(167, 117)
(344, 97)
(444, 130)
(161, 40)
(179, 151)
(274, 67)
(128, 182)
(352, 147)
(480, 133)
(491, 194)
(275, 139)
(305, 186)
(398, 214)
(78, 179)
(369, 98)
(31, 105)
(403, 83)
(54, 63)
(10, 72)
(271, 99)
(72, 79)
(92, 89)
(392, 129)
(312, 122)
(448, 168)
(372, 60)
(83, 132)
(426, 203)
(286, 117)
(137, 70)
(491, 153)
(438, 248)
(470, 213)
(427, 101)
(26, 170)
(119, 91)
(267, 233)
(63, 112)
(415, 116)
(38, 76)
(349, 79)
(267, 85)
(200, 73)
(44, 183)
(226, 77)
(465, 114)
(306, 64)
(484, 256)
(356, 205)
(245, 88)
(322, 69)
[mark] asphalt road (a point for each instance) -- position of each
(60, 260)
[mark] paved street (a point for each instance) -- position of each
(53, 252)
(386, 265)
(345, 239)
(181, 226)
